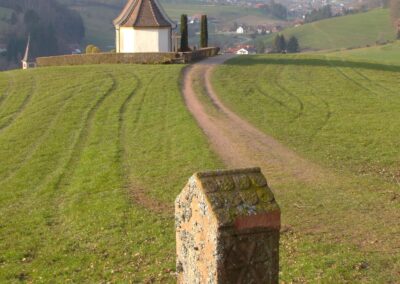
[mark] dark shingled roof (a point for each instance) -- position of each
(28, 54)
(143, 13)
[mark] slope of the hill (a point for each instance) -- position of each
(344, 116)
(388, 54)
(356, 30)
(344, 113)
(92, 159)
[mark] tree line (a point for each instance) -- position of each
(280, 45)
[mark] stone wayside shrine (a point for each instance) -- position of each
(227, 229)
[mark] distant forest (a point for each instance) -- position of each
(52, 27)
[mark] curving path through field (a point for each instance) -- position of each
(236, 141)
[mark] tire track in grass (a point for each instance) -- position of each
(326, 120)
(56, 177)
(328, 111)
(324, 102)
(21, 108)
(381, 86)
(136, 190)
(42, 138)
(33, 147)
(290, 94)
(11, 83)
(347, 77)
(81, 140)
(368, 89)
(266, 94)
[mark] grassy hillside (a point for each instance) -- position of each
(344, 116)
(312, 99)
(342, 32)
(90, 166)
(388, 54)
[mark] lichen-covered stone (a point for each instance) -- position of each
(227, 229)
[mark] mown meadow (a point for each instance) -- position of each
(387, 54)
(92, 159)
(343, 116)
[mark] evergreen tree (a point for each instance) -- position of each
(293, 45)
(279, 45)
(282, 43)
(204, 31)
(184, 34)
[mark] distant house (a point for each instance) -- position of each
(74, 48)
(246, 51)
(242, 51)
(143, 26)
(240, 30)
(76, 51)
(28, 61)
(195, 19)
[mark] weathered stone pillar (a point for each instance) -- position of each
(227, 229)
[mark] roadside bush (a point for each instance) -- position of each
(92, 49)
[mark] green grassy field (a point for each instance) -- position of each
(76, 147)
(344, 116)
(356, 30)
(92, 159)
(387, 54)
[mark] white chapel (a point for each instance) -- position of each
(143, 26)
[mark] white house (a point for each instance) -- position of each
(143, 26)
(242, 51)
(240, 30)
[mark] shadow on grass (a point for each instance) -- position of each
(260, 60)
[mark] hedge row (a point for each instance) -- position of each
(200, 54)
(107, 58)
(127, 58)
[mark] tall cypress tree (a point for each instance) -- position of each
(184, 33)
(204, 31)
(293, 45)
(282, 43)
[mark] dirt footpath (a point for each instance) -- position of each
(238, 143)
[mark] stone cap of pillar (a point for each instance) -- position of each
(238, 198)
